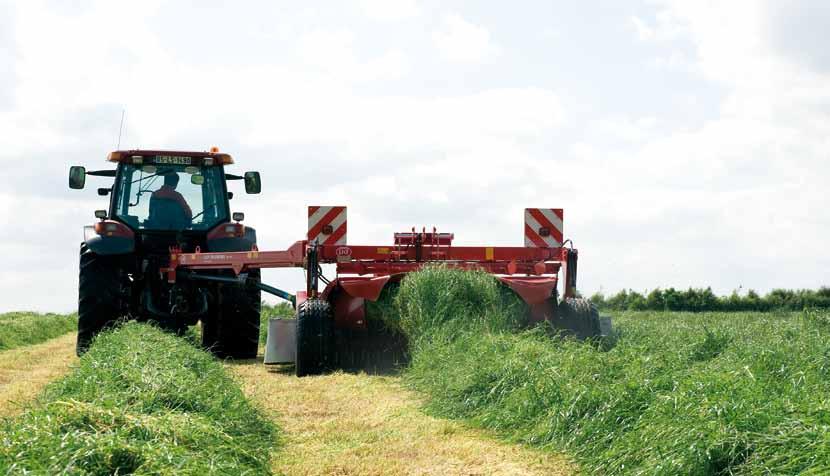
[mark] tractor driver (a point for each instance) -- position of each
(169, 206)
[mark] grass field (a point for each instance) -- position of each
(26, 328)
(675, 393)
(679, 393)
(140, 402)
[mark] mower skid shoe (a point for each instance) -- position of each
(315, 338)
(579, 318)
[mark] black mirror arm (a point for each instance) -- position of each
(102, 173)
(233, 177)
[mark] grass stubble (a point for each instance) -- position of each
(370, 425)
(678, 393)
(25, 371)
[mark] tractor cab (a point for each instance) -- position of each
(168, 191)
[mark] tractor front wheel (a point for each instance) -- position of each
(315, 338)
(99, 296)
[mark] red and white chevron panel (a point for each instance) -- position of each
(543, 227)
(327, 225)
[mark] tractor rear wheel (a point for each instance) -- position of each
(577, 316)
(232, 328)
(315, 338)
(99, 296)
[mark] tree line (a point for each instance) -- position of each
(703, 299)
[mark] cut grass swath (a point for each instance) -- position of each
(440, 302)
(679, 393)
(26, 328)
(140, 402)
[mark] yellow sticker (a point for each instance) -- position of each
(488, 253)
(383, 251)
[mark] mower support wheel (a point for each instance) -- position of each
(577, 316)
(315, 338)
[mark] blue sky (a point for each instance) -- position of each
(686, 140)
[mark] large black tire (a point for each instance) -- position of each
(232, 328)
(315, 338)
(99, 296)
(577, 317)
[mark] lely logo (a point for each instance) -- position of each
(344, 253)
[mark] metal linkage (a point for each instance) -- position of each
(409, 252)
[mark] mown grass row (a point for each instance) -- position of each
(679, 393)
(140, 402)
(26, 328)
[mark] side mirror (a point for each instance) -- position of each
(197, 179)
(77, 177)
(253, 184)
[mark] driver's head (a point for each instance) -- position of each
(171, 179)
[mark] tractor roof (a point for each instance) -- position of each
(130, 156)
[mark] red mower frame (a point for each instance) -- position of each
(362, 271)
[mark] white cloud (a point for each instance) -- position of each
(462, 41)
(337, 115)
(390, 10)
(753, 173)
(665, 27)
(332, 52)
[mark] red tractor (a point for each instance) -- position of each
(160, 200)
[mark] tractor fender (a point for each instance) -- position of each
(216, 242)
(117, 244)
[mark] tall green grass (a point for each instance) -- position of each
(140, 402)
(441, 302)
(679, 393)
(26, 328)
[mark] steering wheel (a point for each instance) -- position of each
(212, 205)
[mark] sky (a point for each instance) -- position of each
(687, 141)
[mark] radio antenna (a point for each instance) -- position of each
(120, 129)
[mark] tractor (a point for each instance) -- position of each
(158, 201)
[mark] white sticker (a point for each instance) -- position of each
(173, 160)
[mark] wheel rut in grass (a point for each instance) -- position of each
(358, 424)
(24, 371)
